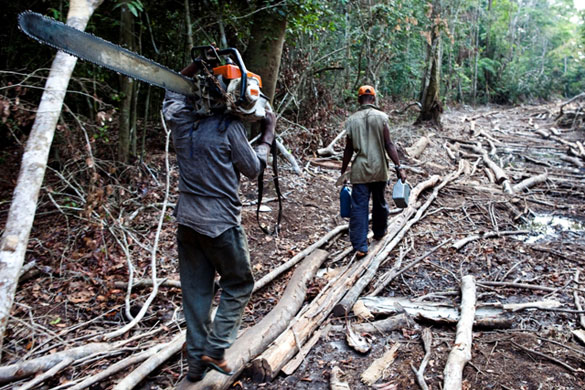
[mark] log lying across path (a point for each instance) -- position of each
(461, 352)
(271, 361)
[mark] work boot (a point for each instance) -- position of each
(220, 365)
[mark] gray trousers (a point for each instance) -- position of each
(200, 257)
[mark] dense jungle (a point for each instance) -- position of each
(476, 285)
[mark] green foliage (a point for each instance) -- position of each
(134, 6)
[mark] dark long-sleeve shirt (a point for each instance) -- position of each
(211, 153)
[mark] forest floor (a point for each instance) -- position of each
(76, 290)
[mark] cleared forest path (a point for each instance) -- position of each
(520, 172)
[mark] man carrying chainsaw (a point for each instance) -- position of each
(368, 135)
(212, 151)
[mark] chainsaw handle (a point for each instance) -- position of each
(210, 53)
(243, 71)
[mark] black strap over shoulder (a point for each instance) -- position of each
(274, 152)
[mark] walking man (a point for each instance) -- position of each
(368, 135)
(211, 154)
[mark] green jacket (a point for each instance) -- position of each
(365, 128)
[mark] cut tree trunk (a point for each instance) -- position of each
(257, 338)
(441, 312)
(34, 162)
(461, 352)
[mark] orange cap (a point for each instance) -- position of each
(366, 90)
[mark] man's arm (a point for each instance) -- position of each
(391, 150)
(248, 161)
(347, 153)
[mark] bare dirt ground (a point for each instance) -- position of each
(71, 295)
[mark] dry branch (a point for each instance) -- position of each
(153, 256)
(46, 375)
(427, 338)
(577, 299)
(329, 151)
(389, 276)
(338, 381)
(530, 182)
(137, 375)
(269, 277)
(461, 352)
(30, 367)
(117, 367)
(500, 174)
(289, 157)
(464, 241)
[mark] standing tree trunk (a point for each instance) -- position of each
(265, 48)
(431, 102)
(126, 87)
(189, 31)
(34, 162)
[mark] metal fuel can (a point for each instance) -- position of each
(400, 194)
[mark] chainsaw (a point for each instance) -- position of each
(222, 83)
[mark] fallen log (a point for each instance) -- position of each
(329, 151)
(418, 147)
(382, 326)
(269, 277)
(327, 164)
(440, 312)
(461, 352)
(270, 362)
(500, 174)
(254, 340)
(292, 366)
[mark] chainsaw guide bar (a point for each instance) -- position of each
(90, 48)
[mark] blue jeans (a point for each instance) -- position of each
(358, 222)
(199, 257)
